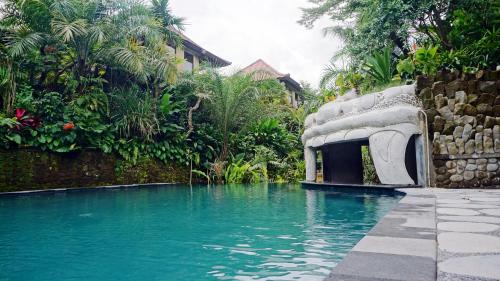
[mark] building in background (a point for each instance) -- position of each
(193, 54)
(261, 70)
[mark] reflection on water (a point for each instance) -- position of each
(238, 232)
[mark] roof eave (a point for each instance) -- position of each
(210, 57)
(287, 78)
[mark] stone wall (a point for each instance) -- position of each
(28, 169)
(463, 113)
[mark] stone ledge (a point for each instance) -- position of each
(401, 246)
(465, 156)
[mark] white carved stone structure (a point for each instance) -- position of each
(387, 120)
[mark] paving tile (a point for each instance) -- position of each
(484, 266)
(491, 212)
(467, 227)
(420, 223)
(452, 201)
(397, 246)
(343, 277)
(414, 200)
(457, 211)
(373, 266)
(485, 219)
(469, 206)
(468, 243)
(401, 227)
(486, 199)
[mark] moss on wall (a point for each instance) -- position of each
(30, 169)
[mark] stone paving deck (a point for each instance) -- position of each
(468, 227)
(432, 234)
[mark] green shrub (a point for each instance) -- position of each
(134, 114)
(50, 107)
(427, 60)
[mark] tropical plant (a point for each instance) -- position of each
(8, 85)
(24, 119)
(239, 171)
(379, 67)
(8, 133)
(480, 54)
(271, 134)
(372, 25)
(55, 137)
(50, 105)
(426, 59)
(99, 74)
(78, 41)
(134, 114)
(406, 68)
(338, 81)
(232, 105)
(163, 12)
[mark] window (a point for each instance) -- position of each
(188, 62)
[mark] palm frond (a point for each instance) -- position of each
(67, 30)
(131, 59)
(24, 41)
(97, 34)
(379, 66)
(328, 75)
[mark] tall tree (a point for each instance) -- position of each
(367, 26)
(74, 44)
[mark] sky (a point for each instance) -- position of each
(243, 31)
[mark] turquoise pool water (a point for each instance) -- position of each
(259, 232)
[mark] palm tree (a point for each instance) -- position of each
(21, 32)
(161, 10)
(338, 80)
(93, 35)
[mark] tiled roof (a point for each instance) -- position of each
(262, 70)
(261, 66)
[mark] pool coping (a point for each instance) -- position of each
(401, 246)
(75, 189)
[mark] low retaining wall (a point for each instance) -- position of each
(30, 169)
(463, 112)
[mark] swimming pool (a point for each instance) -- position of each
(232, 232)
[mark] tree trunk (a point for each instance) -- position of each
(442, 28)
(190, 117)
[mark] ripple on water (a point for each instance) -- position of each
(254, 232)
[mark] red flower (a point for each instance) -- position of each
(20, 113)
(25, 119)
(69, 126)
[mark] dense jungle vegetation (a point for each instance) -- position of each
(389, 41)
(99, 74)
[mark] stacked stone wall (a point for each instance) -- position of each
(463, 112)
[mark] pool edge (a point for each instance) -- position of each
(75, 189)
(401, 246)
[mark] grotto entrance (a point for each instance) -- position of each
(345, 163)
(391, 123)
